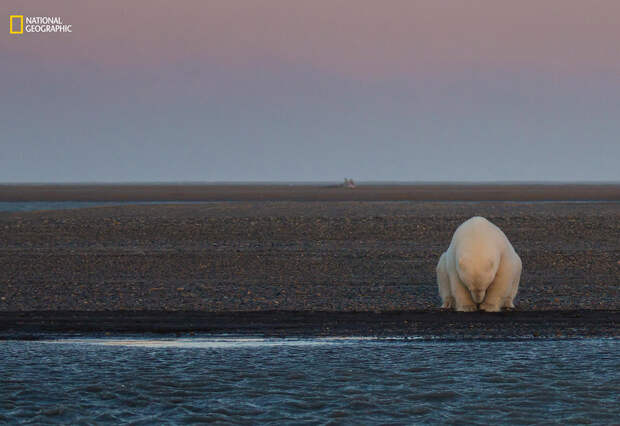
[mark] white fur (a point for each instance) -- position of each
(480, 269)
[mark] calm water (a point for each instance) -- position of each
(349, 381)
(28, 206)
(25, 206)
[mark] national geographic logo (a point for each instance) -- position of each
(16, 24)
(37, 24)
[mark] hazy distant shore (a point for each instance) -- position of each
(310, 192)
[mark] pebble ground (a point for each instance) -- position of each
(295, 256)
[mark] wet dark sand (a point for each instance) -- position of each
(419, 324)
(345, 263)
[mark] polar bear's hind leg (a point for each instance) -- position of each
(515, 287)
(443, 282)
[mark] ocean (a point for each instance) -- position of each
(28, 206)
(351, 380)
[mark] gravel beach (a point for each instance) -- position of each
(337, 256)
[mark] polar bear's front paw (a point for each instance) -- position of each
(448, 303)
(466, 308)
(487, 307)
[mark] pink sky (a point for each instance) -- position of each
(360, 39)
(545, 69)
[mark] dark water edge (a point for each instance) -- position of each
(310, 381)
(32, 206)
(431, 324)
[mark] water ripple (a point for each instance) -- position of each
(198, 380)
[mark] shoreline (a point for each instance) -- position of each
(435, 324)
(294, 256)
(283, 268)
(312, 192)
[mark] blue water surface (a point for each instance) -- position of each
(27, 206)
(309, 381)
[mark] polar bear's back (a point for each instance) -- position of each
(477, 234)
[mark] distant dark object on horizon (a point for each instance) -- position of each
(348, 183)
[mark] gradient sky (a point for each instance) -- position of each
(315, 90)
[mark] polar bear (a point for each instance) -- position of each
(479, 269)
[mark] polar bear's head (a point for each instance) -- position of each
(477, 273)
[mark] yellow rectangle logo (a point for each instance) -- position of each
(16, 29)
